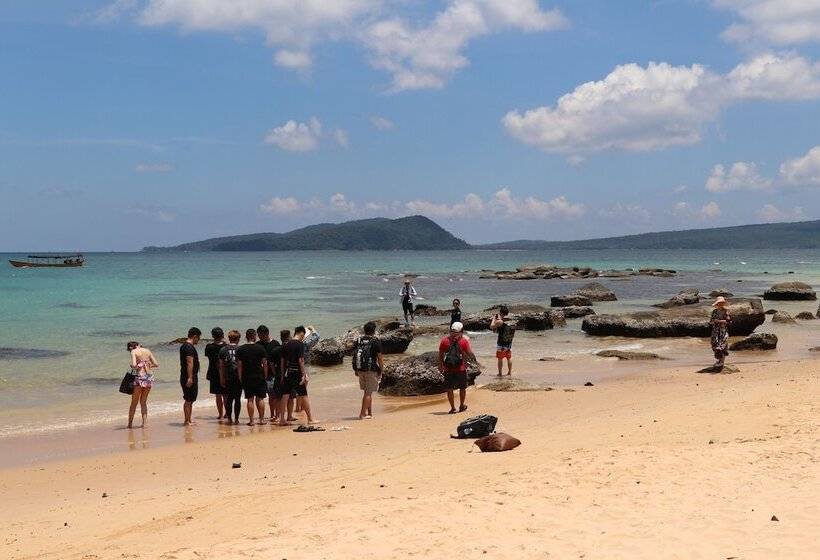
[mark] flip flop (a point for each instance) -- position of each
(302, 428)
(462, 408)
(452, 411)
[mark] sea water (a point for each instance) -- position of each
(67, 328)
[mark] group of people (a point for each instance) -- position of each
(274, 374)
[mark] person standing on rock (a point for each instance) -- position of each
(453, 351)
(408, 294)
(720, 321)
(368, 364)
(506, 332)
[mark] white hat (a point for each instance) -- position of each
(457, 327)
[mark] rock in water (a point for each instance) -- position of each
(805, 316)
(596, 291)
(557, 317)
(397, 341)
(570, 301)
(721, 292)
(790, 291)
(327, 352)
(684, 297)
(783, 317)
(419, 375)
(621, 355)
(756, 341)
(576, 312)
(686, 320)
(533, 322)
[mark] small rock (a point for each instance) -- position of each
(774, 518)
(589, 384)
(550, 359)
(805, 316)
(104, 495)
(783, 317)
(756, 341)
(236, 466)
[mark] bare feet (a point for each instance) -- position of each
(462, 408)
(313, 422)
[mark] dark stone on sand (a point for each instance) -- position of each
(596, 291)
(550, 359)
(771, 311)
(419, 375)
(513, 386)
(720, 292)
(30, 354)
(686, 320)
(790, 291)
(805, 316)
(589, 384)
(684, 297)
(623, 355)
(571, 300)
(783, 317)
(774, 518)
(236, 466)
(576, 312)
(815, 349)
(725, 368)
(755, 341)
(327, 352)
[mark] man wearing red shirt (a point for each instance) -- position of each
(452, 362)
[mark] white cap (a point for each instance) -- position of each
(457, 327)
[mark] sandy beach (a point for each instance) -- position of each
(662, 464)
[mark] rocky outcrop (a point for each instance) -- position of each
(721, 292)
(687, 296)
(523, 317)
(557, 317)
(533, 322)
(725, 368)
(576, 312)
(518, 308)
(783, 317)
(419, 375)
(395, 338)
(790, 291)
(595, 291)
(622, 355)
(686, 320)
(755, 341)
(571, 300)
(397, 341)
(513, 385)
(424, 310)
(805, 316)
(548, 272)
(327, 352)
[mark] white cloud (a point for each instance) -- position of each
(381, 123)
(637, 108)
(153, 213)
(111, 13)
(426, 56)
(340, 203)
(502, 204)
(293, 60)
(771, 213)
(681, 209)
(710, 211)
(417, 55)
(281, 205)
(153, 167)
(296, 137)
(679, 189)
(776, 22)
(472, 205)
(740, 176)
(802, 171)
(341, 138)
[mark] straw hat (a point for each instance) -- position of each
(719, 300)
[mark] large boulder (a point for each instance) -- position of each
(523, 316)
(721, 292)
(783, 317)
(557, 317)
(533, 322)
(686, 320)
(571, 300)
(518, 308)
(394, 336)
(624, 355)
(397, 341)
(684, 297)
(425, 310)
(576, 312)
(327, 352)
(596, 291)
(419, 375)
(805, 316)
(755, 341)
(790, 291)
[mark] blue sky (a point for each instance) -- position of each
(144, 122)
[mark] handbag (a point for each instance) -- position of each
(127, 383)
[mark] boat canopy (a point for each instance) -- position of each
(77, 256)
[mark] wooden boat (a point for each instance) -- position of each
(50, 261)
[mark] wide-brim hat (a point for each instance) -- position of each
(719, 300)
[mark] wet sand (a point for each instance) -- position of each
(663, 463)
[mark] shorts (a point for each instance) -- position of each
(503, 352)
(369, 381)
(407, 306)
(189, 394)
(292, 383)
(216, 387)
(255, 388)
(455, 379)
(274, 386)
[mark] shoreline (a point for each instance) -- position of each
(665, 463)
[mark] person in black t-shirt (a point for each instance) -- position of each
(455, 312)
(271, 386)
(212, 350)
(189, 372)
(252, 367)
(229, 377)
(294, 375)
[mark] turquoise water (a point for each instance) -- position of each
(90, 313)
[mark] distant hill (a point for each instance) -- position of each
(380, 234)
(794, 235)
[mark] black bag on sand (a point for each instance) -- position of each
(127, 383)
(476, 427)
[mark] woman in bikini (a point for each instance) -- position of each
(142, 362)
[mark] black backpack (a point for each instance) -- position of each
(230, 363)
(506, 334)
(476, 427)
(454, 356)
(363, 358)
